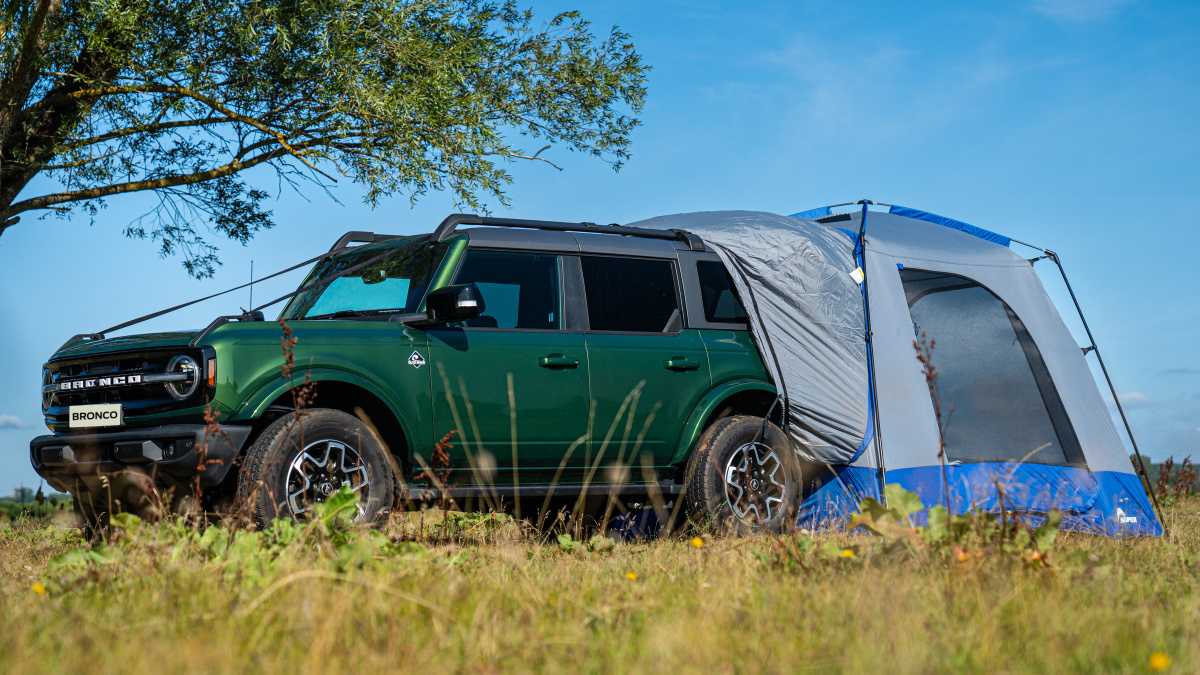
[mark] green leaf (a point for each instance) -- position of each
(213, 542)
(126, 521)
(566, 543)
(906, 503)
(833, 550)
(1044, 536)
(939, 528)
(600, 544)
(341, 504)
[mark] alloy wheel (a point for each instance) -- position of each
(320, 470)
(754, 483)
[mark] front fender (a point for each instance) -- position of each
(256, 405)
(707, 406)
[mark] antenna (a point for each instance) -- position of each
(251, 283)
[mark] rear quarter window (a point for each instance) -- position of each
(721, 304)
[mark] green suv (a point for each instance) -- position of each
(568, 359)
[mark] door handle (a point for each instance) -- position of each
(558, 361)
(681, 364)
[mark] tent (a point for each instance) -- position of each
(838, 309)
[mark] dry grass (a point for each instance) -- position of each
(496, 601)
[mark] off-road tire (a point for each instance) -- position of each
(262, 483)
(707, 500)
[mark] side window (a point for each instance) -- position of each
(520, 290)
(992, 380)
(721, 304)
(631, 295)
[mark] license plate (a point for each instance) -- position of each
(99, 415)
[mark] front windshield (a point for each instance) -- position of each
(394, 284)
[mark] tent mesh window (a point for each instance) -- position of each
(998, 401)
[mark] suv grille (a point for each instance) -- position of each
(150, 397)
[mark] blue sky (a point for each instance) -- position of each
(1072, 124)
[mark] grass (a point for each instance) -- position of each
(470, 594)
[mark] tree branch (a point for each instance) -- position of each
(519, 156)
(195, 95)
(142, 128)
(231, 168)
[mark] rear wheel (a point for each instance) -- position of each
(293, 466)
(741, 482)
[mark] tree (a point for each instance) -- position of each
(181, 98)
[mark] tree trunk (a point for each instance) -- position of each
(30, 135)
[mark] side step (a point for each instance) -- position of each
(422, 494)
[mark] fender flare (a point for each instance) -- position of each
(257, 404)
(709, 404)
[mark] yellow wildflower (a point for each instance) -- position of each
(1159, 661)
(847, 553)
(631, 576)
(697, 542)
(39, 589)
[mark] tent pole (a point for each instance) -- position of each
(1141, 465)
(880, 472)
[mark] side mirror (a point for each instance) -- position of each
(454, 303)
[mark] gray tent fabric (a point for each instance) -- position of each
(806, 314)
(1033, 433)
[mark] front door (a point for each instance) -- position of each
(647, 371)
(511, 382)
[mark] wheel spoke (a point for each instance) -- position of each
(320, 469)
(754, 486)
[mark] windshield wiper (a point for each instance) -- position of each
(340, 314)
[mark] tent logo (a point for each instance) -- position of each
(416, 360)
(1122, 518)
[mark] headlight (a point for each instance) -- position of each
(47, 380)
(183, 387)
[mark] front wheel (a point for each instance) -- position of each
(741, 482)
(297, 464)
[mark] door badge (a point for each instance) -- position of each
(416, 360)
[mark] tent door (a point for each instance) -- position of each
(999, 403)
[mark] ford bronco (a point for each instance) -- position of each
(568, 358)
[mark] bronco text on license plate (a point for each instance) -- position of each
(100, 415)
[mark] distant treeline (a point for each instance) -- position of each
(25, 502)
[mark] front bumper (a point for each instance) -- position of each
(170, 453)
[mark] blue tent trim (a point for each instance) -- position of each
(1108, 503)
(986, 235)
(813, 214)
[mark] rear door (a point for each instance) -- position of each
(647, 372)
(512, 380)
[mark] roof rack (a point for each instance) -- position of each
(447, 227)
(363, 237)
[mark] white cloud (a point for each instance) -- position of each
(1079, 11)
(1134, 398)
(1129, 398)
(11, 422)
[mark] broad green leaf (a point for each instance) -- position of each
(342, 503)
(939, 528)
(126, 521)
(600, 544)
(905, 502)
(1044, 536)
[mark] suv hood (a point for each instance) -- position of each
(125, 343)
